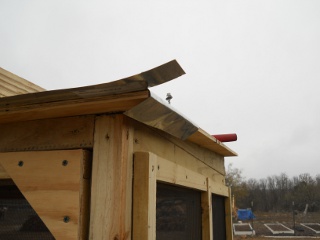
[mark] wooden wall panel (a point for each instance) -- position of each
(56, 185)
(47, 134)
(184, 154)
(111, 194)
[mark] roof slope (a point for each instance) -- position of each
(11, 84)
(129, 96)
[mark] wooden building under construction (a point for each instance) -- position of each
(107, 162)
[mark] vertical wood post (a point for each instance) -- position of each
(144, 196)
(228, 214)
(206, 205)
(111, 190)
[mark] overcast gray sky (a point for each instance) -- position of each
(252, 67)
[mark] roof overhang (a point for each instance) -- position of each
(130, 96)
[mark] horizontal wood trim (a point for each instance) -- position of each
(219, 189)
(73, 107)
(205, 140)
(185, 154)
(47, 134)
(170, 172)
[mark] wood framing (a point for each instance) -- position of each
(185, 154)
(133, 139)
(56, 188)
(149, 168)
(56, 108)
(206, 205)
(144, 196)
(48, 134)
(111, 194)
(228, 214)
(173, 173)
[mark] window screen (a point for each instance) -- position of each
(18, 220)
(178, 213)
(218, 217)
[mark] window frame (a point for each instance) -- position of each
(150, 169)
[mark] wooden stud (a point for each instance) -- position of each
(206, 205)
(111, 190)
(144, 196)
(228, 214)
(52, 183)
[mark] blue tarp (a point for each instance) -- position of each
(245, 214)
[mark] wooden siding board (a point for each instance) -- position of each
(168, 147)
(47, 134)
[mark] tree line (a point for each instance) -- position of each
(274, 193)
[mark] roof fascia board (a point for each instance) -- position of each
(156, 113)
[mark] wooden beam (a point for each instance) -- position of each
(116, 96)
(219, 189)
(111, 193)
(54, 184)
(170, 172)
(144, 196)
(47, 134)
(29, 107)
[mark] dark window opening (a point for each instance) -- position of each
(18, 220)
(218, 217)
(178, 213)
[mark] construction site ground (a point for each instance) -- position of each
(285, 218)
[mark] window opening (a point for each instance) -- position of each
(218, 217)
(178, 213)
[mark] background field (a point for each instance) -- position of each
(286, 219)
